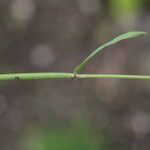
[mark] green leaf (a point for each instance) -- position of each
(99, 49)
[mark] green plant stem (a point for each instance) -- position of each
(36, 76)
(113, 76)
(57, 75)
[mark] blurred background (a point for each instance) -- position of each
(88, 114)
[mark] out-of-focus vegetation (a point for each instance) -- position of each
(54, 35)
(125, 7)
(77, 137)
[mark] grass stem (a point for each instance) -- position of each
(113, 76)
(59, 75)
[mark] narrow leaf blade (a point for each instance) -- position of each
(125, 36)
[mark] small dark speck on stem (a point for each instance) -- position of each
(17, 78)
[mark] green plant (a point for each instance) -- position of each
(78, 69)
(78, 137)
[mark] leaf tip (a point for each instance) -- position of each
(138, 33)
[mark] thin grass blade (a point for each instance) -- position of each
(125, 36)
